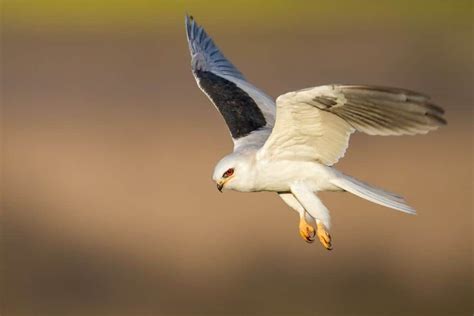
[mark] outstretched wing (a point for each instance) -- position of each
(248, 112)
(316, 123)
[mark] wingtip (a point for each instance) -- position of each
(190, 24)
(437, 119)
(188, 18)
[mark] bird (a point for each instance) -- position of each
(290, 145)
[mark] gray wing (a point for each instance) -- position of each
(246, 110)
(205, 54)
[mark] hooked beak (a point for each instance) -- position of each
(220, 185)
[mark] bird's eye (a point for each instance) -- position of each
(228, 173)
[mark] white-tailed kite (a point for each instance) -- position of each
(290, 148)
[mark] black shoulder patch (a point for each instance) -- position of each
(239, 110)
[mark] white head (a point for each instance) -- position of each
(235, 172)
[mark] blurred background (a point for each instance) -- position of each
(108, 147)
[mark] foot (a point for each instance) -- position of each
(307, 231)
(324, 236)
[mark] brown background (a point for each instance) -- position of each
(108, 147)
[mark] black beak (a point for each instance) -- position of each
(220, 186)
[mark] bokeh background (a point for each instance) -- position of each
(108, 146)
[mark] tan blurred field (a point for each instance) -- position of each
(108, 148)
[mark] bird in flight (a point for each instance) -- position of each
(289, 146)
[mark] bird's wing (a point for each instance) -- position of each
(316, 123)
(248, 112)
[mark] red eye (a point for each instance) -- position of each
(228, 173)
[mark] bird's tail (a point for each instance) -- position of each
(372, 194)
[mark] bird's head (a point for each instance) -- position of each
(233, 172)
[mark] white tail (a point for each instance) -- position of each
(372, 194)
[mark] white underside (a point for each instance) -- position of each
(298, 183)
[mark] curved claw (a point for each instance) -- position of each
(324, 236)
(307, 232)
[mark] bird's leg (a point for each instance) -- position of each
(313, 205)
(323, 235)
(307, 231)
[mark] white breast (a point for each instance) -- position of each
(279, 175)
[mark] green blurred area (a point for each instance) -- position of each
(283, 13)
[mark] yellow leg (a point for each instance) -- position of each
(324, 236)
(307, 231)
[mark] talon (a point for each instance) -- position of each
(307, 232)
(324, 236)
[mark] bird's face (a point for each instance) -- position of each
(227, 176)
(226, 171)
(232, 173)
